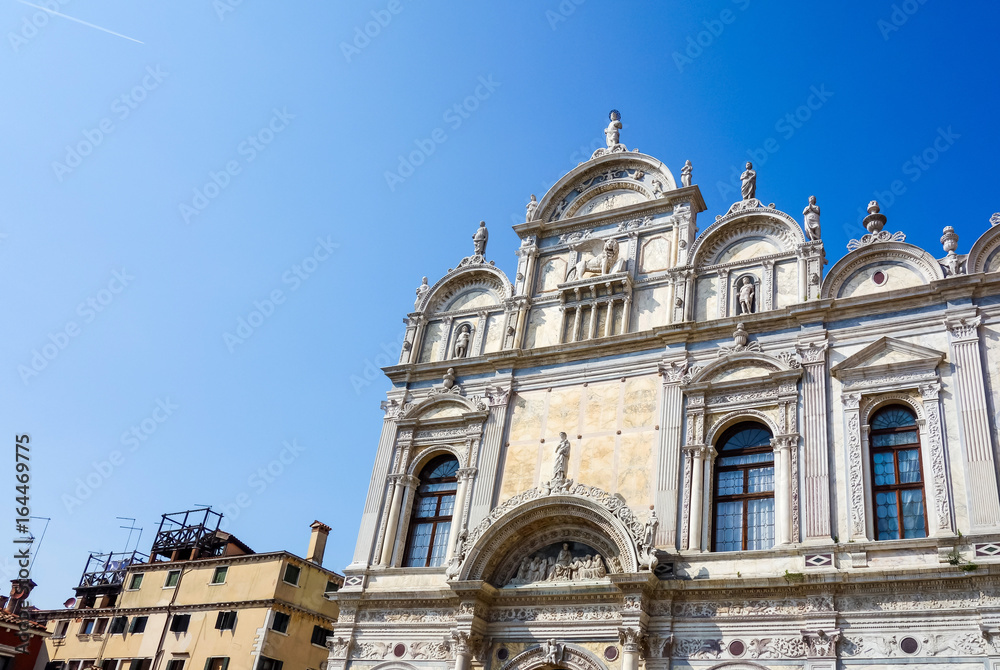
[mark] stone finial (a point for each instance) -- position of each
(875, 220)
(740, 335)
(480, 239)
(949, 240)
(449, 378)
(811, 219)
(686, 174)
(612, 132)
(995, 219)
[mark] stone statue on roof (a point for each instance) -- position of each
(480, 238)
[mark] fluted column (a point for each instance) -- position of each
(698, 454)
(783, 446)
(389, 539)
(816, 498)
(576, 324)
(668, 457)
(974, 422)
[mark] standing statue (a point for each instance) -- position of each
(746, 296)
(686, 174)
(649, 531)
(749, 183)
(611, 133)
(421, 290)
(553, 652)
(811, 217)
(462, 341)
(531, 207)
(480, 238)
(562, 457)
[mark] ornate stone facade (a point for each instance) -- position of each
(588, 407)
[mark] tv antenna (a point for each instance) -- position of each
(131, 527)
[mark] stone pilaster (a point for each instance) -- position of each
(974, 422)
(937, 482)
(783, 484)
(722, 292)
(816, 457)
(498, 399)
(378, 493)
(856, 487)
(669, 451)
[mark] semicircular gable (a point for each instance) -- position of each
(738, 366)
(601, 184)
(985, 253)
(532, 520)
(746, 235)
(880, 267)
(467, 288)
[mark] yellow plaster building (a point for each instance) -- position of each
(203, 601)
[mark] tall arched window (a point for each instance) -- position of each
(432, 511)
(744, 489)
(897, 474)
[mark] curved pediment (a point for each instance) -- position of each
(880, 267)
(746, 365)
(529, 523)
(442, 404)
(746, 235)
(605, 183)
(985, 253)
(467, 288)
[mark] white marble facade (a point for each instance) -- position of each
(576, 416)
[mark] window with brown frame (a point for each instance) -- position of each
(430, 524)
(744, 489)
(897, 475)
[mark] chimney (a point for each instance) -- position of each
(19, 590)
(317, 542)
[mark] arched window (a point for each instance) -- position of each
(897, 474)
(744, 489)
(432, 510)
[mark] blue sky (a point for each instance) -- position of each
(242, 153)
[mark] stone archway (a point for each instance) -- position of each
(573, 658)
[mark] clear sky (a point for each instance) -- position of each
(201, 158)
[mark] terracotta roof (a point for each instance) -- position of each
(7, 617)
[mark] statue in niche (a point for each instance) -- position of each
(553, 652)
(811, 217)
(562, 457)
(611, 133)
(531, 207)
(686, 174)
(746, 296)
(480, 238)
(462, 341)
(421, 290)
(749, 183)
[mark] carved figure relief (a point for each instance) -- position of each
(561, 458)
(746, 296)
(561, 564)
(603, 263)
